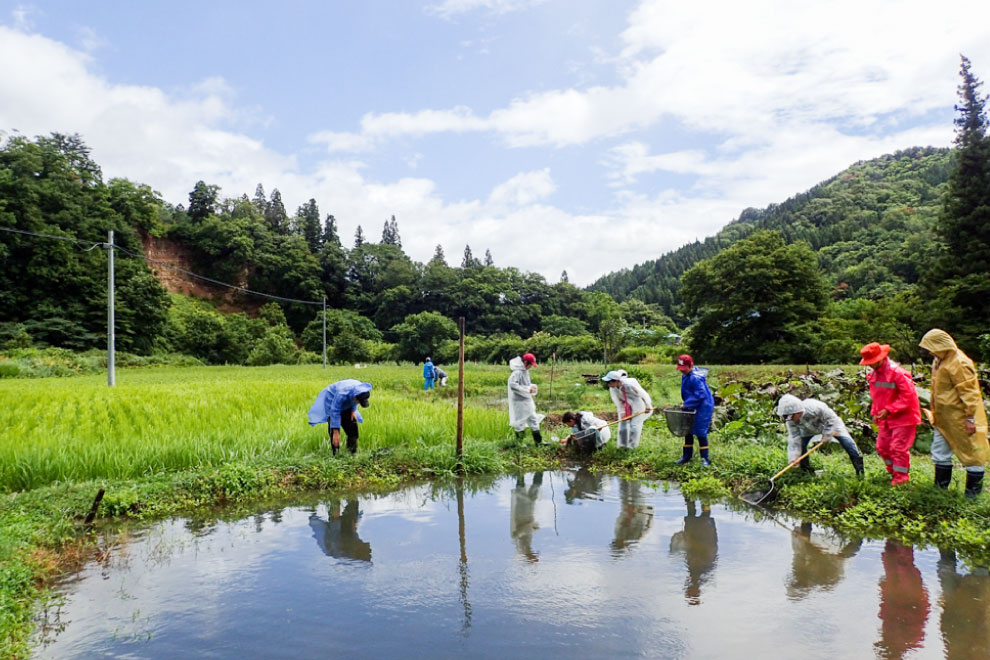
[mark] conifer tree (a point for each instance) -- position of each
(438, 256)
(563, 276)
(468, 261)
(488, 258)
(308, 224)
(358, 237)
(390, 233)
(276, 215)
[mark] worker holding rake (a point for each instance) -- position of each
(808, 418)
(338, 405)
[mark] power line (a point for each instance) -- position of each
(166, 265)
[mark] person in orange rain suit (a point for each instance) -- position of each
(895, 410)
(904, 605)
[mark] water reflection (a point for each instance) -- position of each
(698, 542)
(522, 519)
(903, 603)
(635, 517)
(965, 610)
(584, 485)
(818, 560)
(337, 536)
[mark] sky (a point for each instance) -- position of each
(577, 135)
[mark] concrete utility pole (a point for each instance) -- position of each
(460, 395)
(111, 337)
(324, 332)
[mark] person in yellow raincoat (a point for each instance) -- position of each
(958, 415)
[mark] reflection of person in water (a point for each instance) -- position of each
(965, 610)
(818, 561)
(634, 519)
(522, 518)
(903, 603)
(337, 536)
(699, 544)
(586, 485)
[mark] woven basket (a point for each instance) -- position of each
(680, 422)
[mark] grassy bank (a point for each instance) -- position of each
(166, 441)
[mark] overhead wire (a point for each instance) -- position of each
(165, 264)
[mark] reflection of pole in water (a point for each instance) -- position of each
(965, 610)
(903, 603)
(462, 565)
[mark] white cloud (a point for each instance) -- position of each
(451, 8)
(523, 189)
(89, 40)
(22, 17)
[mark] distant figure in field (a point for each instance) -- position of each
(337, 406)
(586, 443)
(429, 374)
(895, 410)
(958, 415)
(696, 396)
(808, 418)
(630, 399)
(441, 376)
(522, 407)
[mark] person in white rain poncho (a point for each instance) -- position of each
(522, 407)
(630, 398)
(808, 418)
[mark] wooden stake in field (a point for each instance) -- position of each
(460, 393)
(553, 360)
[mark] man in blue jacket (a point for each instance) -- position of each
(429, 374)
(338, 405)
(697, 397)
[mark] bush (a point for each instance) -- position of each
(275, 347)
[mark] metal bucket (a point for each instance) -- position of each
(680, 422)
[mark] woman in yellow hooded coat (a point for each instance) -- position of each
(959, 418)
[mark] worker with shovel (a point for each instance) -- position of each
(895, 410)
(958, 415)
(808, 418)
(696, 396)
(632, 404)
(337, 405)
(588, 433)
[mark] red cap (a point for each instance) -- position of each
(685, 361)
(529, 358)
(874, 352)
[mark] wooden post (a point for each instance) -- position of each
(96, 505)
(460, 394)
(553, 361)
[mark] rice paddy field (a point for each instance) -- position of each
(158, 420)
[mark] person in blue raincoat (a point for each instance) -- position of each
(337, 405)
(429, 374)
(697, 397)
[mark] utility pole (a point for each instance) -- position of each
(460, 396)
(111, 338)
(324, 332)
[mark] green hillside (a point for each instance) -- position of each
(870, 227)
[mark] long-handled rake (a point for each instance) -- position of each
(761, 496)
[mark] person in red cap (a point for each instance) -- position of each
(696, 396)
(895, 410)
(522, 407)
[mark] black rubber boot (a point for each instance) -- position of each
(974, 484)
(806, 466)
(520, 435)
(335, 449)
(687, 452)
(857, 462)
(943, 476)
(537, 438)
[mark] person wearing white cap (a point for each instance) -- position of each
(630, 398)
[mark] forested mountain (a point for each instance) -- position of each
(870, 227)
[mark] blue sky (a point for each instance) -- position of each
(560, 134)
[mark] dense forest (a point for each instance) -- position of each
(881, 251)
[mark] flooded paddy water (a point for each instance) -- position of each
(554, 564)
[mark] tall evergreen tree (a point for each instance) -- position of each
(438, 256)
(488, 258)
(390, 233)
(330, 231)
(259, 200)
(563, 276)
(276, 215)
(358, 237)
(202, 201)
(308, 224)
(468, 261)
(962, 272)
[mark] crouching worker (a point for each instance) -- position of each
(696, 396)
(522, 407)
(958, 415)
(338, 405)
(630, 399)
(588, 433)
(808, 418)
